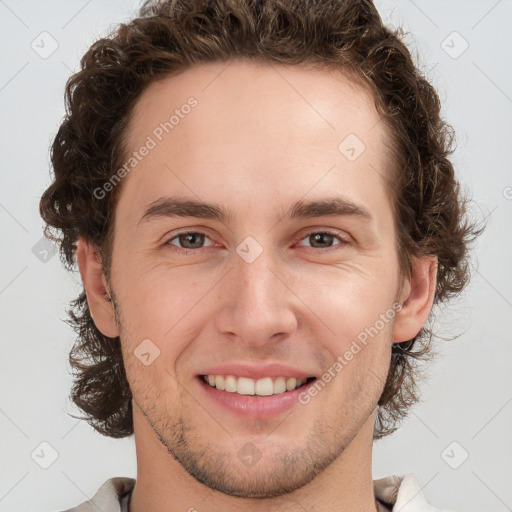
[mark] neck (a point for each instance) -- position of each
(163, 485)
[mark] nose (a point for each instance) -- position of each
(257, 304)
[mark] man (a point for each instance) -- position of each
(260, 202)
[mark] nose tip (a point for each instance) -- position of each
(256, 305)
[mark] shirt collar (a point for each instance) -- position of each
(402, 494)
(398, 493)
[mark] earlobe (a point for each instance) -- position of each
(96, 289)
(418, 300)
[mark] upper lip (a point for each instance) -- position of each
(253, 371)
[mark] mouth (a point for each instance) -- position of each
(260, 399)
(265, 386)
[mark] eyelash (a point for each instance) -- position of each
(342, 240)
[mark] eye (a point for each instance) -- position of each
(193, 240)
(188, 240)
(325, 239)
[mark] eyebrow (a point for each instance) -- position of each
(179, 207)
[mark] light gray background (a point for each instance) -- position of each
(468, 396)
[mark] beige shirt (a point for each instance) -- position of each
(395, 494)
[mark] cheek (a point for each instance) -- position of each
(351, 301)
(359, 366)
(156, 301)
(170, 305)
(162, 312)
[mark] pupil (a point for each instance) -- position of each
(322, 235)
(192, 235)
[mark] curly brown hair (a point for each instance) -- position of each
(431, 213)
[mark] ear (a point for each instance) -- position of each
(417, 296)
(96, 289)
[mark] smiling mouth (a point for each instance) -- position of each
(265, 386)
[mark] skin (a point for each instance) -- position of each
(260, 138)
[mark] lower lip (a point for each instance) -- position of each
(253, 406)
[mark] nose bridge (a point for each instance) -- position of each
(257, 275)
(256, 303)
(258, 286)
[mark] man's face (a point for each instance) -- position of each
(261, 287)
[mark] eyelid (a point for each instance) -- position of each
(344, 239)
(168, 239)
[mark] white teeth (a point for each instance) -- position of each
(279, 385)
(245, 386)
(261, 387)
(230, 384)
(219, 382)
(264, 387)
(291, 383)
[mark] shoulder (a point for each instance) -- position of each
(108, 496)
(403, 493)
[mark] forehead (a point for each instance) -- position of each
(255, 129)
(245, 99)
